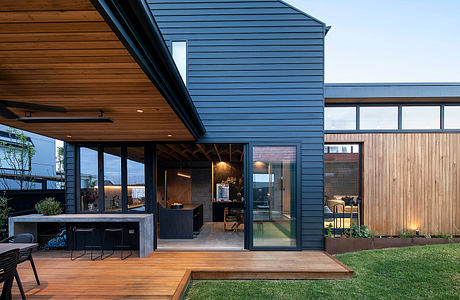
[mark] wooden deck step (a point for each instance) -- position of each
(166, 275)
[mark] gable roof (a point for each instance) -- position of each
(302, 12)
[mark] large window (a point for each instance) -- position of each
(421, 117)
(179, 52)
(451, 117)
(112, 179)
(120, 171)
(376, 117)
(136, 179)
(88, 179)
(274, 196)
(340, 118)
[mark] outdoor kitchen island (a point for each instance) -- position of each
(143, 222)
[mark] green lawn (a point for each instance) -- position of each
(422, 272)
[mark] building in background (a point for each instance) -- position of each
(41, 172)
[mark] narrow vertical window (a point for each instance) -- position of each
(179, 52)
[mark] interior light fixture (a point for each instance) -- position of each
(69, 136)
(183, 175)
(140, 110)
(170, 135)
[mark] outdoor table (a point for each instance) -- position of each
(4, 247)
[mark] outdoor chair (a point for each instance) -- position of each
(8, 264)
(24, 255)
(86, 233)
(115, 231)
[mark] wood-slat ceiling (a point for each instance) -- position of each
(58, 52)
(200, 152)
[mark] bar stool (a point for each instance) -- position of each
(89, 233)
(121, 246)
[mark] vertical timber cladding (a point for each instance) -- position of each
(255, 73)
(410, 181)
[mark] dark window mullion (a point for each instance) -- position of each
(442, 117)
(358, 125)
(124, 179)
(400, 116)
(100, 179)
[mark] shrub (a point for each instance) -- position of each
(358, 231)
(4, 215)
(406, 234)
(49, 207)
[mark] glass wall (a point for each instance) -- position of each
(136, 179)
(88, 179)
(274, 196)
(340, 118)
(112, 179)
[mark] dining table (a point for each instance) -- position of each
(4, 247)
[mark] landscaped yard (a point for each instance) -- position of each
(405, 273)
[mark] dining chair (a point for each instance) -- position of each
(8, 264)
(24, 255)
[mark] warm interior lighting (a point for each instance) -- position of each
(259, 164)
(170, 135)
(183, 175)
(69, 136)
(119, 187)
(140, 111)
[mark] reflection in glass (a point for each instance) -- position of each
(112, 179)
(88, 179)
(382, 117)
(421, 117)
(136, 179)
(274, 196)
(340, 118)
(451, 117)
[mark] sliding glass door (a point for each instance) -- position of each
(273, 191)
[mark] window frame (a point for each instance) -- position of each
(249, 204)
(400, 105)
(148, 176)
(187, 54)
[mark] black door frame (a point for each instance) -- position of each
(249, 231)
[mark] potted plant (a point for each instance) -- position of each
(49, 207)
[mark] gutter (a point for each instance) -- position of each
(136, 28)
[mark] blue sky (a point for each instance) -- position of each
(389, 41)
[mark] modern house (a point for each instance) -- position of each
(41, 170)
(219, 109)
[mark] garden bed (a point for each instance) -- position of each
(343, 245)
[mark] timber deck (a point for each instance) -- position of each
(166, 275)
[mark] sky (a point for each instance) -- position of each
(390, 40)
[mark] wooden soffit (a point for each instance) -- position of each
(63, 53)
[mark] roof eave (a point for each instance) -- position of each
(136, 28)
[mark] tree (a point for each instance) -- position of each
(16, 157)
(60, 163)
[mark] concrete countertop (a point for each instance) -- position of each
(82, 218)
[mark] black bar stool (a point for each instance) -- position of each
(89, 233)
(121, 246)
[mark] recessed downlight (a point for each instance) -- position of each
(140, 110)
(169, 135)
(69, 136)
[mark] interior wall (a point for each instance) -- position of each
(226, 170)
(178, 188)
(341, 178)
(202, 190)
